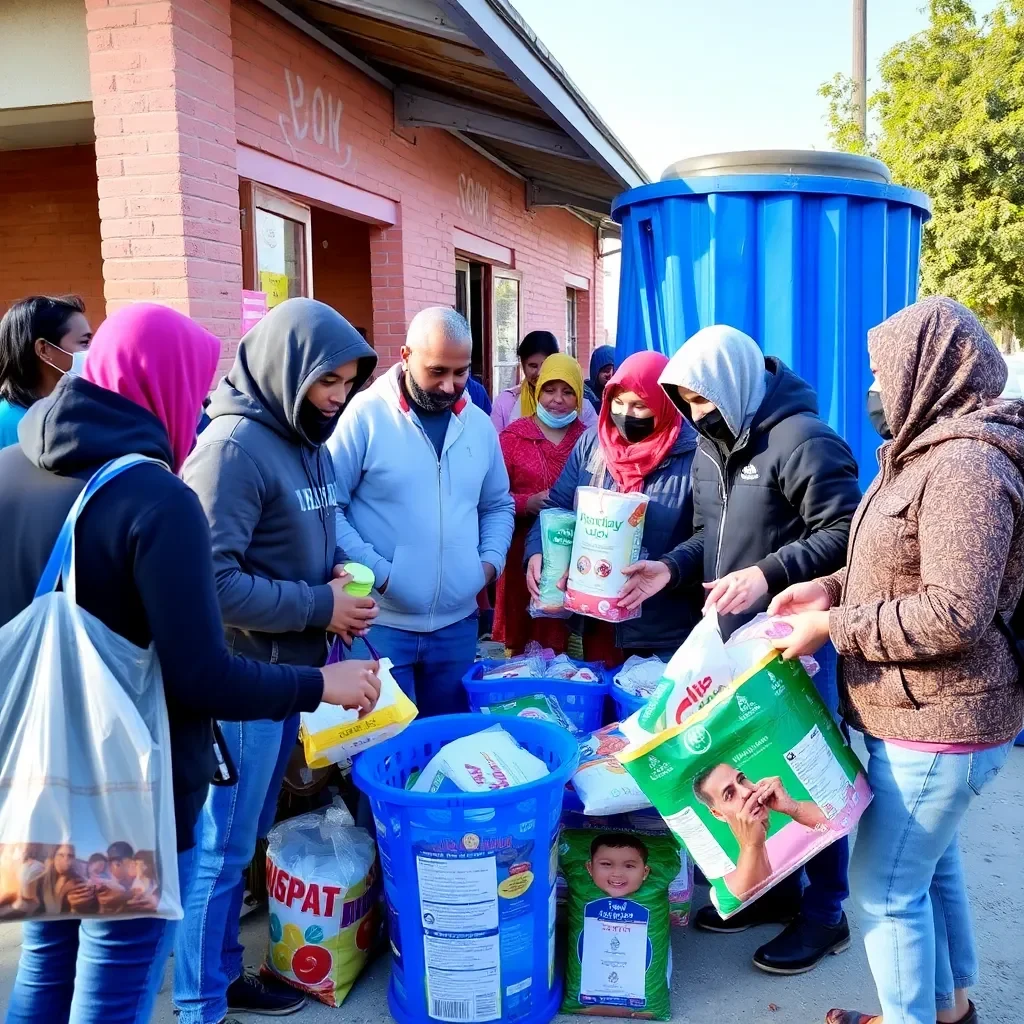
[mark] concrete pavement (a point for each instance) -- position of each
(714, 981)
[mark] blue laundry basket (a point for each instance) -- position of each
(583, 703)
(469, 878)
(626, 703)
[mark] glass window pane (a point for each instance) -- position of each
(506, 319)
(280, 256)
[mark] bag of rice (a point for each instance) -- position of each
(619, 959)
(557, 527)
(755, 782)
(608, 537)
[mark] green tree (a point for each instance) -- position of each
(950, 117)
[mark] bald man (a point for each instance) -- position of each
(423, 500)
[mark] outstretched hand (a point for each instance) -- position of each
(643, 581)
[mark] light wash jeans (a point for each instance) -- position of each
(908, 877)
(208, 954)
(94, 971)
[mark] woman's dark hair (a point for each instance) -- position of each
(543, 342)
(38, 316)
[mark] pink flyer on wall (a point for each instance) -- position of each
(254, 308)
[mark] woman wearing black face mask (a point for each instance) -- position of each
(640, 444)
(774, 490)
(877, 414)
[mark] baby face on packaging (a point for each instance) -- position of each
(618, 870)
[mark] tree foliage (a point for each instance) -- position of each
(950, 117)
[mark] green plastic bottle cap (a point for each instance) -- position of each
(362, 579)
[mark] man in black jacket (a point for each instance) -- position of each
(774, 491)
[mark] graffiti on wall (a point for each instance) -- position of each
(474, 199)
(317, 117)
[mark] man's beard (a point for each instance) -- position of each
(429, 401)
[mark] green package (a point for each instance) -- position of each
(754, 783)
(538, 706)
(619, 960)
(557, 528)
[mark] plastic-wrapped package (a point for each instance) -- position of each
(543, 707)
(557, 527)
(639, 677)
(608, 537)
(602, 784)
(324, 902)
(753, 641)
(619, 959)
(489, 759)
(517, 668)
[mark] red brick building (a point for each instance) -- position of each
(380, 155)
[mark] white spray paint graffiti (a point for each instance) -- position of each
(320, 116)
(474, 199)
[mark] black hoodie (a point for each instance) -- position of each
(144, 569)
(782, 500)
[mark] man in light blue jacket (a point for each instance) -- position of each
(423, 500)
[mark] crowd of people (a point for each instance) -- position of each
(227, 554)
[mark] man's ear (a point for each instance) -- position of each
(716, 814)
(590, 868)
(405, 352)
(647, 871)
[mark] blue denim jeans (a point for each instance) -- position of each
(429, 666)
(909, 880)
(208, 954)
(820, 890)
(95, 971)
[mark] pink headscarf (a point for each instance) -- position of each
(161, 360)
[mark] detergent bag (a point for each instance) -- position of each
(556, 532)
(754, 782)
(324, 913)
(619, 954)
(332, 734)
(608, 537)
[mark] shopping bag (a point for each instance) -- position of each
(332, 734)
(86, 801)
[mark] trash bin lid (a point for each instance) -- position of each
(781, 161)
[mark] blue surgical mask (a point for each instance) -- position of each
(556, 422)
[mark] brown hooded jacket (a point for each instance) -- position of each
(937, 544)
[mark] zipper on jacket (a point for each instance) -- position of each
(723, 493)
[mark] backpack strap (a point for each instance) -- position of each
(60, 564)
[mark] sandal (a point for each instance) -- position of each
(851, 1017)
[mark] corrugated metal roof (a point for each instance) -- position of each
(476, 68)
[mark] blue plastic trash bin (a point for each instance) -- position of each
(803, 251)
(469, 878)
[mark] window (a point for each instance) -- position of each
(571, 322)
(505, 320)
(276, 244)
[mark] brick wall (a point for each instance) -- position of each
(163, 98)
(50, 226)
(297, 101)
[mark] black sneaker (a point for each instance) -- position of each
(802, 946)
(758, 913)
(254, 994)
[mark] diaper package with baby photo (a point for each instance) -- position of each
(557, 527)
(322, 883)
(486, 760)
(619, 958)
(754, 780)
(608, 538)
(332, 734)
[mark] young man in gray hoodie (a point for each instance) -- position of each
(423, 500)
(268, 490)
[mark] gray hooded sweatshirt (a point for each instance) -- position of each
(267, 485)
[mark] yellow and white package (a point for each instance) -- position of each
(332, 734)
(324, 903)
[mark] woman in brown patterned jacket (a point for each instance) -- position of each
(936, 553)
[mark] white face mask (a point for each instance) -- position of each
(77, 367)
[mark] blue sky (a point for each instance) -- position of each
(675, 78)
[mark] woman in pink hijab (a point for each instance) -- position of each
(144, 568)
